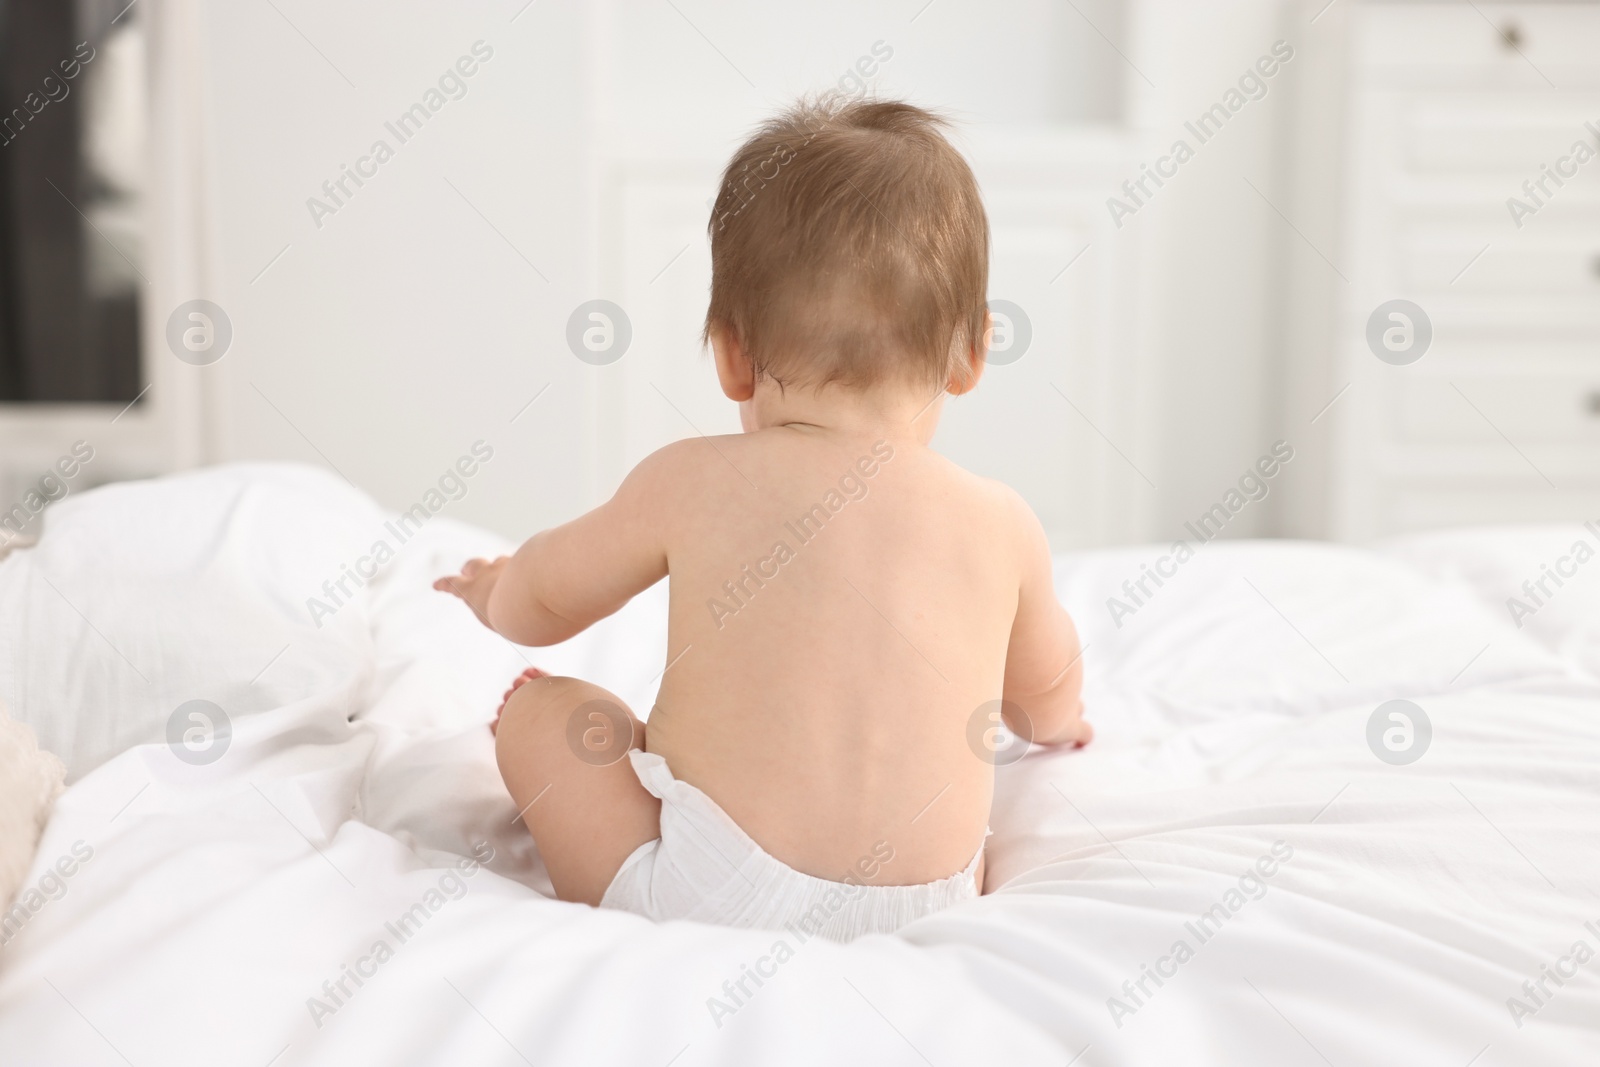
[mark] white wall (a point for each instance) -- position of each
(406, 326)
(1213, 289)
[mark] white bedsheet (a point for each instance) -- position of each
(1231, 709)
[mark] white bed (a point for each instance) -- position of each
(1232, 712)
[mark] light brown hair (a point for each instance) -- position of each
(849, 244)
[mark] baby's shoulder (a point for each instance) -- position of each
(997, 499)
(695, 470)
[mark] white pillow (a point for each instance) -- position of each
(142, 596)
(29, 781)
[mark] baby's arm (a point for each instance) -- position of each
(563, 580)
(1044, 663)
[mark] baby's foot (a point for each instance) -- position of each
(516, 683)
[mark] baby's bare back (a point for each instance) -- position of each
(840, 609)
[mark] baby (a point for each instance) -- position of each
(851, 613)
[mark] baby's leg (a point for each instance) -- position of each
(562, 747)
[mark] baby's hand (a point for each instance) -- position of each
(474, 585)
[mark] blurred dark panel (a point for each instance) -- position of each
(71, 160)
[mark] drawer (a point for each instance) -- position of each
(1528, 409)
(1473, 42)
(1507, 133)
(1427, 507)
(1463, 351)
(1559, 264)
(1530, 333)
(1514, 293)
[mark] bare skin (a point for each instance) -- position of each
(828, 703)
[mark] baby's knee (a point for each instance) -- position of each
(523, 742)
(530, 711)
(538, 715)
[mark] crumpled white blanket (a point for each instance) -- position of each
(1332, 907)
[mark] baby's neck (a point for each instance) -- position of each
(894, 413)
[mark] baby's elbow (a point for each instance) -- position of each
(532, 625)
(507, 620)
(520, 632)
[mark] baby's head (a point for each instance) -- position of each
(849, 248)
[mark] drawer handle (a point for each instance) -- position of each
(1592, 402)
(1511, 37)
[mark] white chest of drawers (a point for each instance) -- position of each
(1456, 115)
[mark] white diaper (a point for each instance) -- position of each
(704, 867)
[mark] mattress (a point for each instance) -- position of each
(288, 843)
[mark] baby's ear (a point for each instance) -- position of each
(968, 366)
(735, 373)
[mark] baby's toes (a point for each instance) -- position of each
(516, 683)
